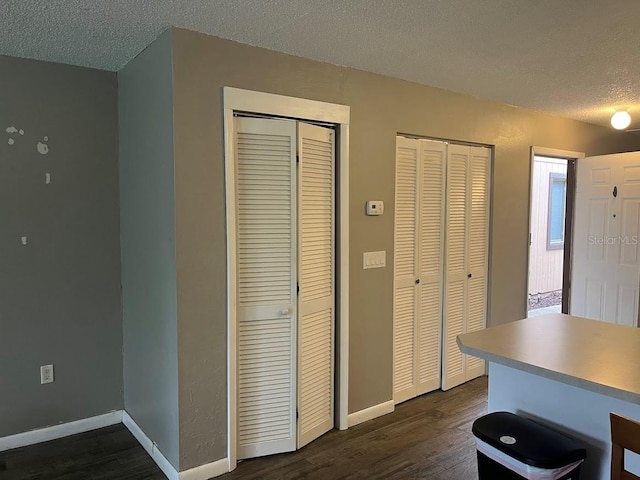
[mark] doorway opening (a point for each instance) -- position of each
(550, 226)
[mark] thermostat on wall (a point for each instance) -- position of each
(375, 207)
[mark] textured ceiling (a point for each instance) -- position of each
(575, 58)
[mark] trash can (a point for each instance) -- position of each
(511, 447)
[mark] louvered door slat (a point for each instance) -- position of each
(476, 304)
(316, 378)
(432, 175)
(316, 278)
(405, 269)
(429, 337)
(406, 197)
(266, 256)
(454, 325)
(457, 210)
(478, 251)
(455, 296)
(403, 350)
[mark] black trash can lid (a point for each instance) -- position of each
(527, 441)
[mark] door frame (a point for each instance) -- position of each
(568, 221)
(248, 101)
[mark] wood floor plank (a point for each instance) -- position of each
(103, 454)
(427, 438)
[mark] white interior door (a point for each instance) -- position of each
(605, 264)
(418, 266)
(466, 258)
(405, 269)
(431, 227)
(477, 251)
(442, 205)
(456, 275)
(316, 298)
(266, 255)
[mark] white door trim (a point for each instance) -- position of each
(554, 152)
(238, 100)
(541, 152)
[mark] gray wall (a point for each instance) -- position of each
(380, 108)
(59, 293)
(148, 245)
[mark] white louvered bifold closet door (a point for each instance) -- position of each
(316, 298)
(466, 258)
(478, 252)
(266, 256)
(418, 271)
(431, 226)
(405, 270)
(453, 371)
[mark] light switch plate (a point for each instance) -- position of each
(374, 259)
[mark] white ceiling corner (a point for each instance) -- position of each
(574, 58)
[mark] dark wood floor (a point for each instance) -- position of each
(428, 438)
(425, 438)
(104, 454)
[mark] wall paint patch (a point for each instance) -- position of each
(47, 178)
(24, 240)
(43, 148)
(11, 130)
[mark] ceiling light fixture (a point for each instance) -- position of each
(620, 120)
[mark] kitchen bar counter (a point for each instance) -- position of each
(589, 354)
(567, 372)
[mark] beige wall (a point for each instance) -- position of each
(380, 108)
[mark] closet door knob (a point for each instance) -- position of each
(417, 281)
(285, 311)
(469, 276)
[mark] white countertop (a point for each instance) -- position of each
(589, 354)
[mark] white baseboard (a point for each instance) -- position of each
(150, 447)
(203, 472)
(60, 431)
(206, 471)
(371, 413)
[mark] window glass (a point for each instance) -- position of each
(557, 197)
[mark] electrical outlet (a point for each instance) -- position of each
(46, 374)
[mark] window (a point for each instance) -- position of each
(557, 207)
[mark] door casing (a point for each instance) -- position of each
(248, 101)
